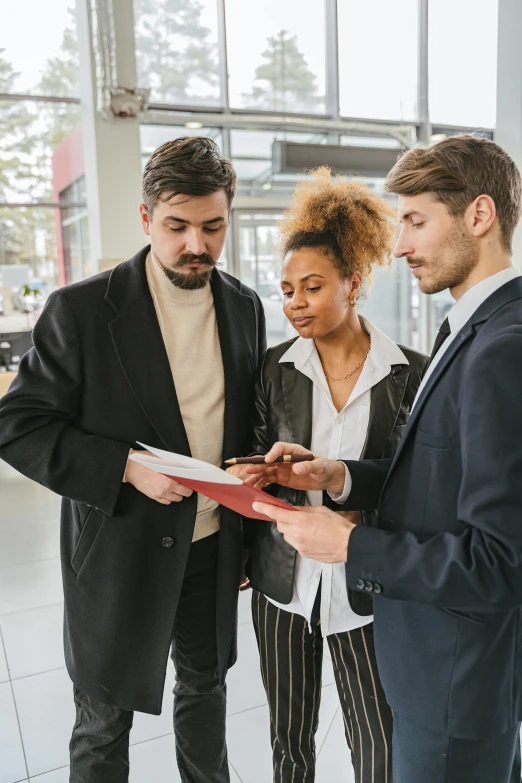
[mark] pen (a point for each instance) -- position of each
(259, 459)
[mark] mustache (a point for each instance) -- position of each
(415, 261)
(188, 258)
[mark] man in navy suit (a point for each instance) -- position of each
(445, 563)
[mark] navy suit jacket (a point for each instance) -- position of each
(447, 555)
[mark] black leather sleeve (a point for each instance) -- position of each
(259, 444)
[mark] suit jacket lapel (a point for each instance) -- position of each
(463, 336)
(298, 399)
(138, 342)
(386, 400)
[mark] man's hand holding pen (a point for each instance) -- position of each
(315, 474)
(314, 531)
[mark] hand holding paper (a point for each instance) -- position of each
(208, 480)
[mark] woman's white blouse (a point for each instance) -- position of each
(338, 435)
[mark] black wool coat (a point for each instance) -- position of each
(95, 383)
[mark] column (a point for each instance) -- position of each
(112, 156)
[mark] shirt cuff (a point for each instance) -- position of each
(124, 479)
(343, 497)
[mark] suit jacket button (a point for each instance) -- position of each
(368, 586)
(360, 584)
(377, 589)
(168, 541)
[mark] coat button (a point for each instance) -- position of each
(360, 584)
(377, 589)
(368, 586)
(168, 541)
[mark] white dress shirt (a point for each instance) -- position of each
(338, 435)
(458, 316)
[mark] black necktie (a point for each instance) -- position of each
(443, 333)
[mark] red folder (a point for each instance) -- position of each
(208, 480)
(238, 497)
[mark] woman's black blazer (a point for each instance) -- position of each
(283, 412)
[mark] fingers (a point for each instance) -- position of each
(317, 467)
(280, 448)
(179, 489)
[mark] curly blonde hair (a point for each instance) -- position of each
(344, 217)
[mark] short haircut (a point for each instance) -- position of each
(355, 226)
(458, 170)
(192, 166)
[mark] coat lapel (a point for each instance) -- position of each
(463, 336)
(298, 399)
(385, 404)
(235, 317)
(138, 342)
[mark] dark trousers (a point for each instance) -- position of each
(99, 748)
(422, 756)
(291, 664)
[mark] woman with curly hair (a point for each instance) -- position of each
(344, 390)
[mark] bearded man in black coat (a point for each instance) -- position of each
(161, 350)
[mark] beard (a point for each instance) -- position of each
(455, 261)
(191, 280)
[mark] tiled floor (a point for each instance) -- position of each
(36, 710)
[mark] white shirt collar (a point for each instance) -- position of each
(469, 302)
(384, 352)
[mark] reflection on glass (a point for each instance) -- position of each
(28, 236)
(378, 45)
(177, 50)
(461, 34)
(260, 268)
(39, 49)
(280, 64)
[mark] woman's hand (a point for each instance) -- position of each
(318, 474)
(258, 480)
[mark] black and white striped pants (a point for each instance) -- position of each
(291, 665)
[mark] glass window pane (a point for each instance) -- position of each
(378, 45)
(252, 159)
(276, 55)
(387, 302)
(33, 137)
(28, 236)
(38, 48)
(177, 50)
(463, 36)
(260, 268)
(153, 136)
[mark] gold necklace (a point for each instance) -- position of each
(328, 378)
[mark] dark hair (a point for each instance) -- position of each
(458, 170)
(356, 226)
(191, 165)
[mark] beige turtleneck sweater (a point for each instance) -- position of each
(188, 325)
